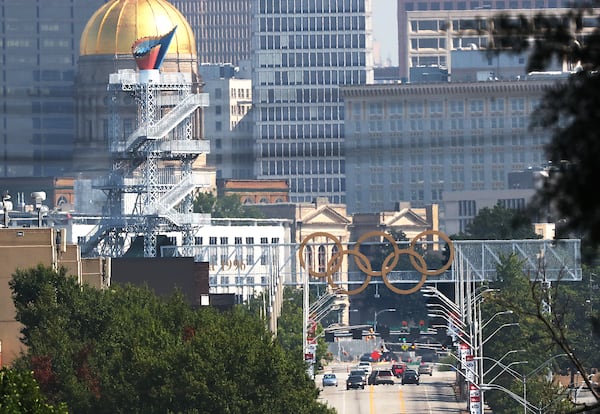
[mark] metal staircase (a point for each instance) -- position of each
(152, 180)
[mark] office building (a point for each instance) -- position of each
(433, 17)
(431, 36)
(228, 121)
(223, 28)
(416, 142)
(303, 52)
(39, 62)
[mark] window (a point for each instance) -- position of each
(264, 241)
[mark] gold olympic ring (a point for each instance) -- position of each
(389, 263)
(386, 269)
(450, 256)
(386, 236)
(356, 254)
(314, 235)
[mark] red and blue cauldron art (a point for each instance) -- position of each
(150, 51)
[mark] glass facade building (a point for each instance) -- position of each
(40, 47)
(303, 51)
(223, 28)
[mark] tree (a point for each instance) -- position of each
(20, 393)
(126, 350)
(550, 323)
(570, 109)
(224, 206)
(499, 223)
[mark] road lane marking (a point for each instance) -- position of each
(427, 399)
(401, 395)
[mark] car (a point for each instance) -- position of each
(366, 358)
(389, 356)
(360, 372)
(398, 369)
(330, 380)
(410, 377)
(426, 369)
(381, 376)
(366, 366)
(355, 381)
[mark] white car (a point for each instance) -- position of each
(366, 366)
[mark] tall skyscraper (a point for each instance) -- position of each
(303, 51)
(222, 28)
(39, 60)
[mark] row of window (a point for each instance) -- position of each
(225, 240)
(488, 4)
(452, 124)
(441, 108)
(325, 186)
(303, 113)
(321, 60)
(312, 23)
(304, 167)
(320, 130)
(439, 43)
(318, 77)
(311, 6)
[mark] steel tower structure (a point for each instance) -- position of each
(150, 187)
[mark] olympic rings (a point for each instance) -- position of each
(390, 262)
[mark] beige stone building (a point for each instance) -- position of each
(23, 248)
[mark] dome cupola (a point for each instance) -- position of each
(114, 28)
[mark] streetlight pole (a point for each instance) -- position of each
(499, 361)
(380, 312)
(504, 325)
(535, 371)
(508, 312)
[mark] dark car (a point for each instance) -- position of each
(381, 376)
(398, 369)
(366, 357)
(410, 377)
(389, 356)
(355, 381)
(360, 372)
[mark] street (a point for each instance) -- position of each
(434, 395)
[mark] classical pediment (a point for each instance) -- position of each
(325, 215)
(406, 218)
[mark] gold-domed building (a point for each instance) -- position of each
(106, 48)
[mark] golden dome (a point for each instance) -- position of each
(119, 23)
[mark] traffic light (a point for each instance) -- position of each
(356, 333)
(330, 336)
(413, 346)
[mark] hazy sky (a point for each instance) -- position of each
(385, 30)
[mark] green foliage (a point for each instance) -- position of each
(551, 323)
(20, 394)
(229, 206)
(499, 223)
(126, 350)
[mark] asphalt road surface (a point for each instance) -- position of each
(434, 395)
